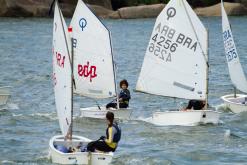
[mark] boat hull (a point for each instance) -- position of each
(236, 105)
(4, 95)
(81, 158)
(185, 118)
(95, 112)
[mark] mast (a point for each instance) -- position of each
(114, 71)
(72, 82)
(207, 78)
(235, 92)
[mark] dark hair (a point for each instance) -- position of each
(124, 82)
(110, 116)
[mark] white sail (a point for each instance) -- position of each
(175, 63)
(234, 65)
(61, 71)
(93, 60)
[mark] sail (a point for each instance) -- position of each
(175, 63)
(93, 59)
(61, 71)
(234, 65)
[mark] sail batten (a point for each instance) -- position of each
(93, 58)
(234, 66)
(62, 71)
(174, 64)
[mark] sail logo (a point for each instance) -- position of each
(171, 12)
(87, 71)
(60, 60)
(82, 23)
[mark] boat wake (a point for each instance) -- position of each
(222, 107)
(45, 115)
(230, 134)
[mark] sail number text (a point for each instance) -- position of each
(166, 40)
(60, 59)
(231, 52)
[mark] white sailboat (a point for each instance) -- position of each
(4, 95)
(236, 102)
(63, 89)
(176, 64)
(93, 62)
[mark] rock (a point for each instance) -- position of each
(115, 15)
(24, 8)
(40, 8)
(104, 3)
(215, 10)
(100, 11)
(116, 4)
(67, 9)
(144, 11)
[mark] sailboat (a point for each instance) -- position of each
(236, 102)
(176, 64)
(95, 73)
(61, 145)
(4, 95)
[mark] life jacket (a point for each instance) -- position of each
(125, 95)
(117, 135)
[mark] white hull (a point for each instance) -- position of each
(184, 118)
(4, 95)
(236, 105)
(82, 158)
(95, 112)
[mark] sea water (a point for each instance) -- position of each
(30, 119)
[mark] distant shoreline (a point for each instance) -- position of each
(132, 12)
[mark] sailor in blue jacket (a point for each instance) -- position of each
(124, 96)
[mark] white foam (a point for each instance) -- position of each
(12, 106)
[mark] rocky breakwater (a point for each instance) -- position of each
(103, 9)
(143, 11)
(215, 10)
(40, 8)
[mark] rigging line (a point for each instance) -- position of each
(69, 54)
(51, 6)
(66, 41)
(97, 104)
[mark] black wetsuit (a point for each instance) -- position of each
(124, 103)
(195, 104)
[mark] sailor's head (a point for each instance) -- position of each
(124, 84)
(109, 118)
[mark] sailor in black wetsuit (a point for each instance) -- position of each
(113, 136)
(196, 105)
(124, 96)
